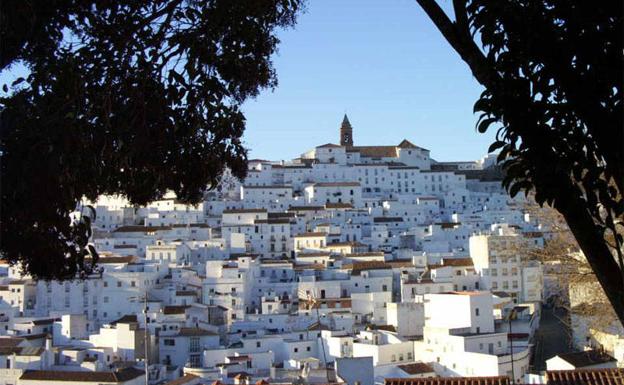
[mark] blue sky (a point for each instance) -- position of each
(385, 65)
(380, 61)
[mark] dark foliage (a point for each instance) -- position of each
(553, 73)
(123, 97)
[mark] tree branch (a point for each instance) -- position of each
(463, 43)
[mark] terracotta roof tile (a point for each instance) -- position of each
(175, 309)
(188, 378)
(416, 368)
(377, 151)
(449, 381)
(586, 377)
(82, 377)
(337, 184)
(140, 229)
(586, 358)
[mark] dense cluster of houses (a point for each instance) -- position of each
(350, 264)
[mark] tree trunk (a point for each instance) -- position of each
(573, 208)
(592, 243)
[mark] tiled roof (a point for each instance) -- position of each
(387, 219)
(188, 378)
(376, 151)
(310, 234)
(407, 144)
(281, 215)
(357, 267)
(44, 321)
(175, 309)
(128, 318)
(468, 293)
(267, 187)
(106, 260)
(449, 381)
(416, 368)
(587, 358)
(612, 376)
(137, 229)
(6, 342)
(273, 221)
(124, 246)
(313, 255)
(457, 262)
(81, 377)
(185, 292)
(244, 211)
(239, 358)
(306, 208)
(195, 332)
(309, 266)
(21, 351)
(343, 244)
(337, 184)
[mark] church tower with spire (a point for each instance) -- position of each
(346, 133)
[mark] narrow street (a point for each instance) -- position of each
(551, 338)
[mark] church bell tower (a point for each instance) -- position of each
(346, 133)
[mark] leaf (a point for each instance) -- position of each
(484, 124)
(496, 145)
(17, 81)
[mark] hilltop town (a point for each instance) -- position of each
(349, 264)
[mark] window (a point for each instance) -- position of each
(258, 344)
(296, 350)
(194, 345)
(477, 312)
(169, 342)
(195, 360)
(118, 283)
(393, 358)
(308, 349)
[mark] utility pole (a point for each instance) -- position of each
(145, 334)
(513, 374)
(146, 340)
